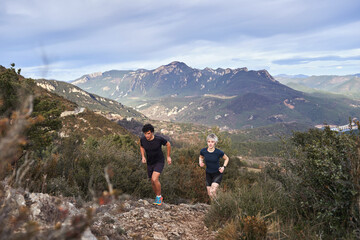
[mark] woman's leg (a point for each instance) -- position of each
(208, 188)
(213, 189)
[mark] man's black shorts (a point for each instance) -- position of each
(213, 178)
(156, 167)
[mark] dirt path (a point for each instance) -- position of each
(143, 220)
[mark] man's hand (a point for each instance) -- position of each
(169, 160)
(143, 160)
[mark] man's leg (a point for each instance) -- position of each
(155, 183)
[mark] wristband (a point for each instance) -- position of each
(224, 166)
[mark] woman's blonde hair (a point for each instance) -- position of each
(212, 136)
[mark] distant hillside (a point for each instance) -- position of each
(111, 108)
(348, 85)
(229, 98)
(55, 111)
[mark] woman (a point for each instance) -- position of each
(210, 157)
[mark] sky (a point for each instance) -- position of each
(67, 39)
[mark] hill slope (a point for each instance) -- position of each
(89, 100)
(348, 85)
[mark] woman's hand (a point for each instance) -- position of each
(169, 160)
(221, 169)
(201, 161)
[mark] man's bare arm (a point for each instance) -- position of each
(142, 151)
(168, 148)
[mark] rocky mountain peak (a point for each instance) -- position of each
(244, 69)
(142, 70)
(94, 75)
(177, 64)
(86, 78)
(266, 74)
(173, 67)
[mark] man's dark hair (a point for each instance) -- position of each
(148, 127)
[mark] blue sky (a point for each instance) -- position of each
(66, 39)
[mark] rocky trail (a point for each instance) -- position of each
(143, 220)
(123, 218)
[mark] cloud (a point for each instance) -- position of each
(295, 61)
(93, 34)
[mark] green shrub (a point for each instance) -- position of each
(184, 180)
(254, 197)
(224, 209)
(318, 176)
(110, 152)
(43, 132)
(253, 228)
(13, 91)
(230, 231)
(61, 186)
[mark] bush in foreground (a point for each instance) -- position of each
(313, 193)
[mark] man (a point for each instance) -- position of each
(151, 145)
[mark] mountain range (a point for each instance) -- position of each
(348, 85)
(178, 80)
(229, 98)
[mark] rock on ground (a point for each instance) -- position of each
(140, 219)
(122, 218)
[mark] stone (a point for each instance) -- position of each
(118, 219)
(159, 236)
(87, 235)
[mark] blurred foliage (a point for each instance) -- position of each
(20, 166)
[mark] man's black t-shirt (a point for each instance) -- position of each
(153, 149)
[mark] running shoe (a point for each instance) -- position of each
(158, 200)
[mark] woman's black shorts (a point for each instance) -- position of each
(213, 178)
